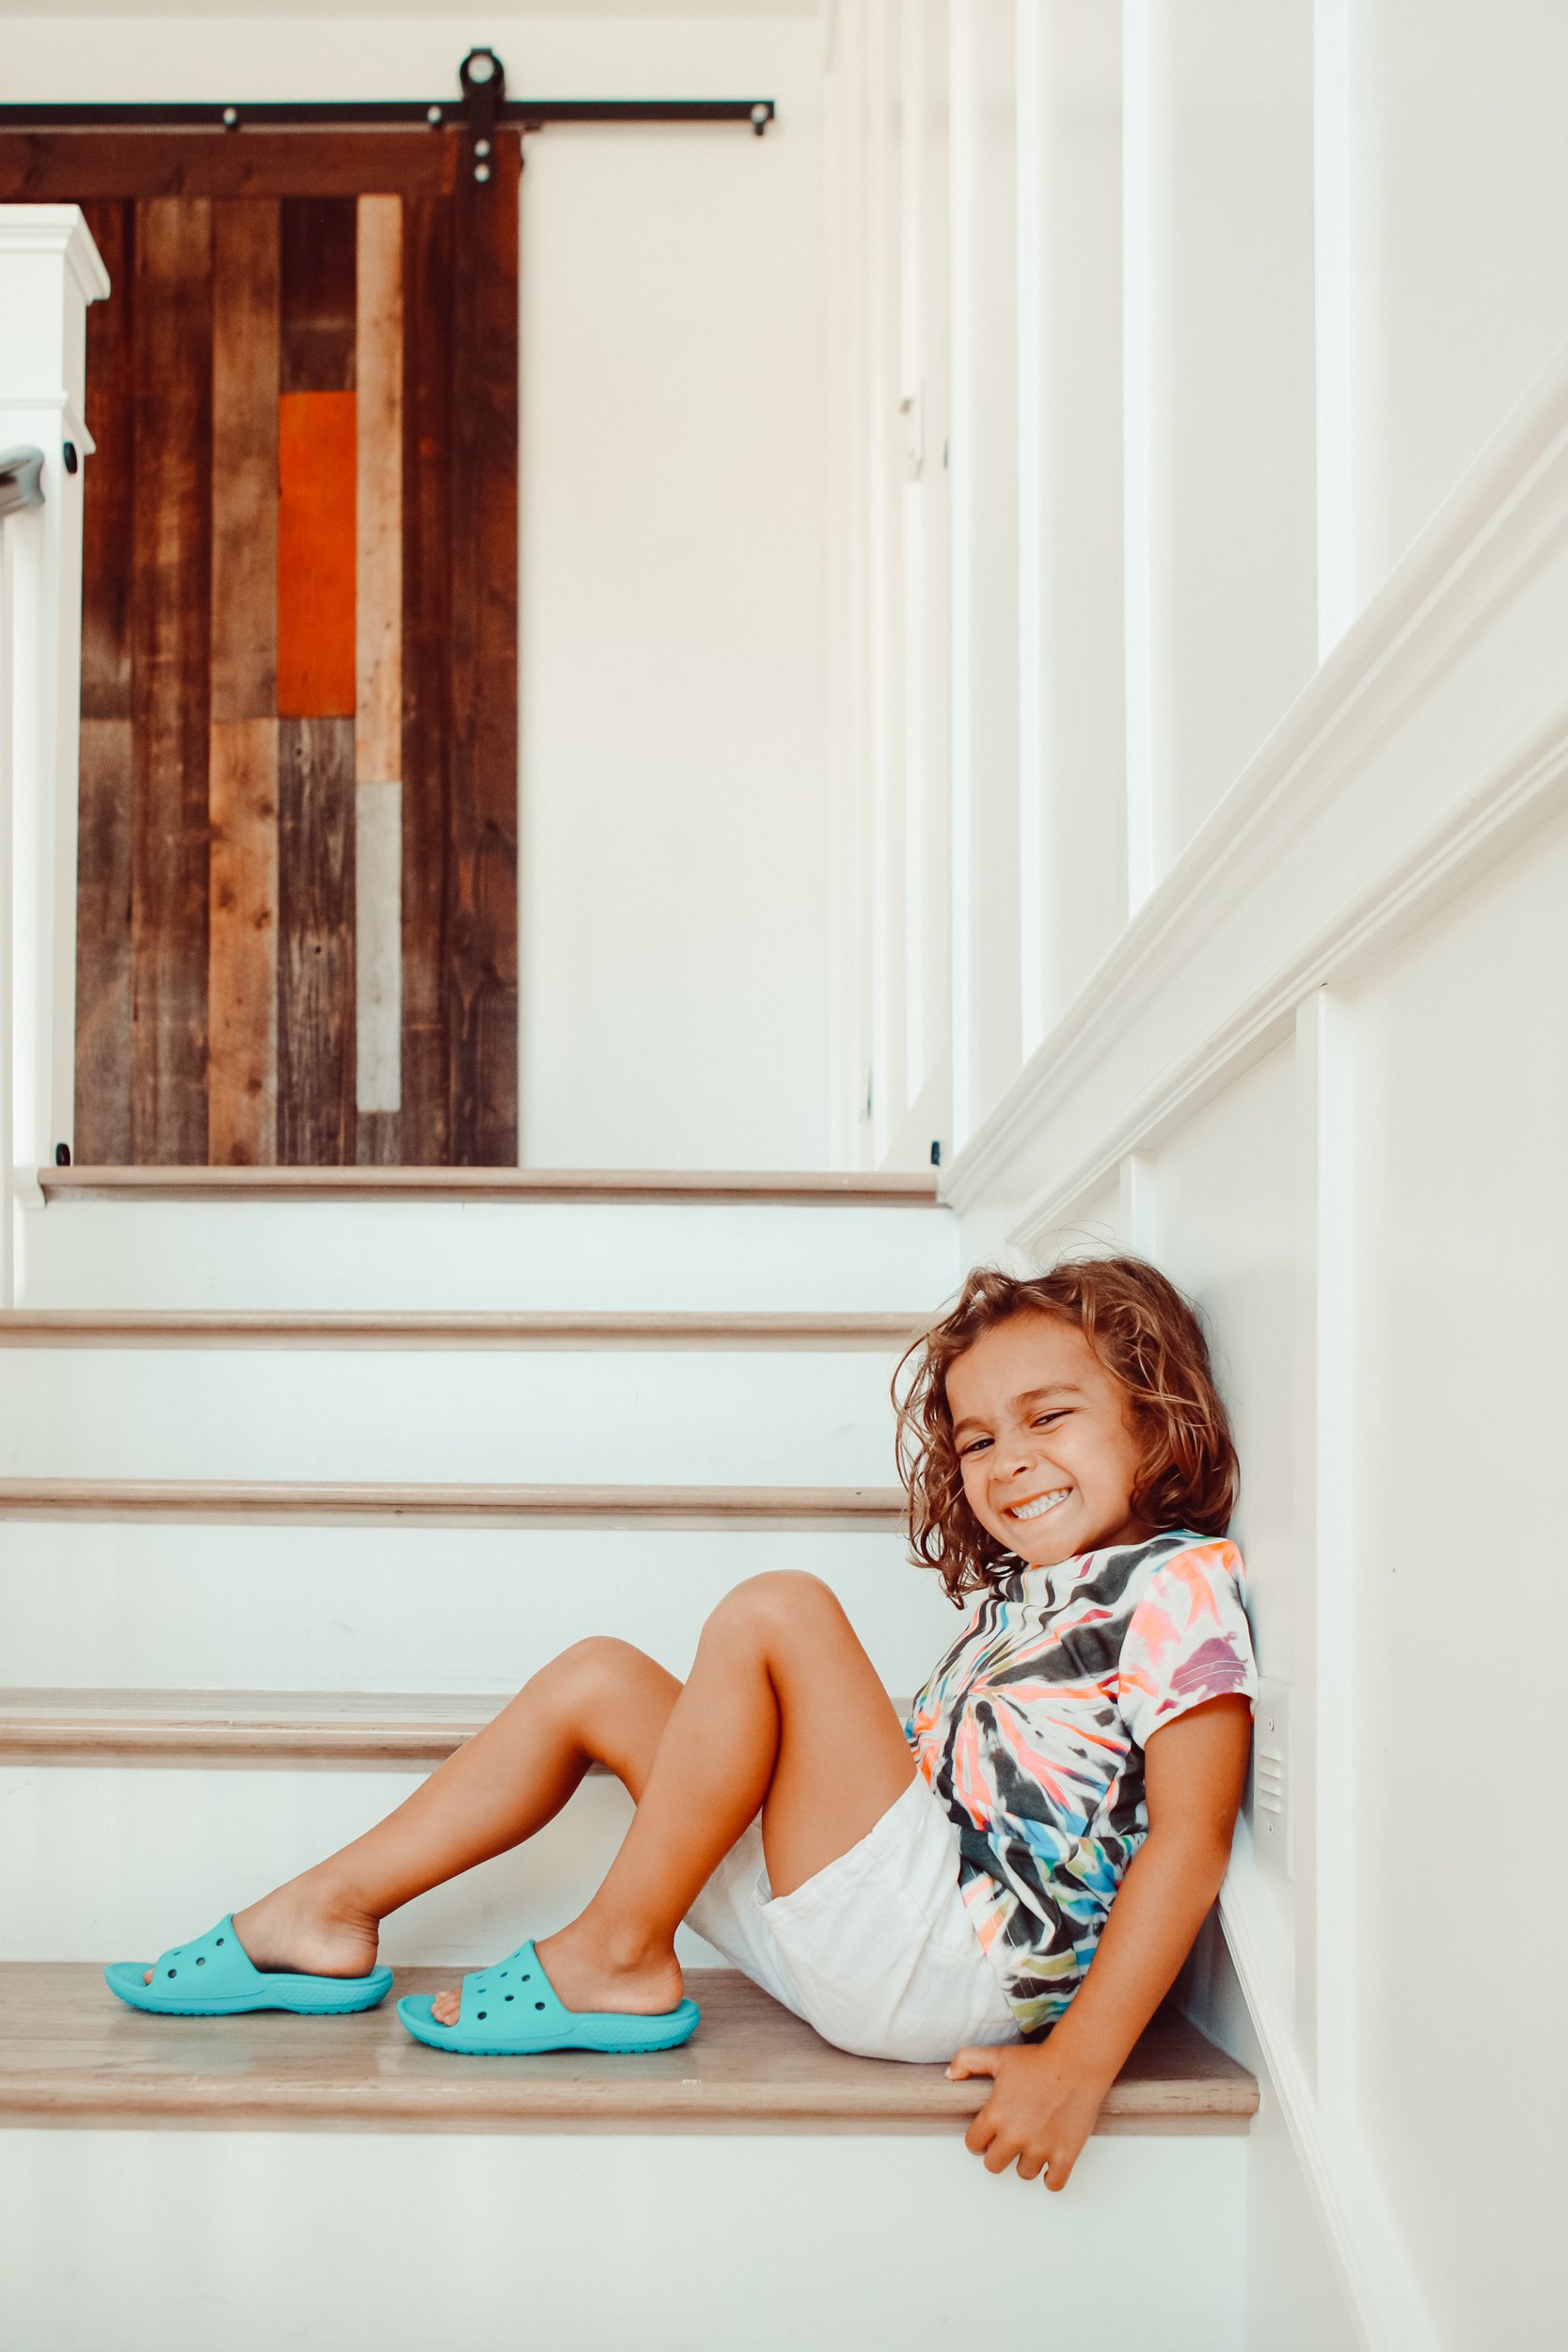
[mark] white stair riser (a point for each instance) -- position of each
(176, 2242)
(406, 1606)
(120, 1863)
(590, 1417)
(486, 1256)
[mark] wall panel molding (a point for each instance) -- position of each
(1423, 749)
(1368, 2254)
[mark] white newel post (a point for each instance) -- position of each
(50, 270)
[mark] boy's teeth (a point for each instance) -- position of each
(1041, 1503)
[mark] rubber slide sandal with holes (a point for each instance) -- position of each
(214, 1977)
(512, 2010)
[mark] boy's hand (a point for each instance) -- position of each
(1038, 2115)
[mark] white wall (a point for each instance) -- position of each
(674, 895)
(1218, 230)
(1456, 169)
(675, 878)
(1072, 862)
(816, 2245)
(1461, 1119)
(1256, 949)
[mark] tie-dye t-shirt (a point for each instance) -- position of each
(1032, 1731)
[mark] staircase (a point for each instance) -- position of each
(301, 1473)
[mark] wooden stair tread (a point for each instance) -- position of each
(92, 1326)
(70, 2053)
(665, 1506)
(91, 1726)
(831, 1189)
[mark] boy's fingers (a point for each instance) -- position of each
(969, 2062)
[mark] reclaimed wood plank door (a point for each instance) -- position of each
(297, 889)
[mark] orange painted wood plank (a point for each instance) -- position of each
(242, 951)
(378, 712)
(316, 555)
(245, 460)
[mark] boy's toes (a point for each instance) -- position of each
(147, 1977)
(445, 2008)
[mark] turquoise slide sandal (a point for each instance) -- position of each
(214, 1977)
(513, 2009)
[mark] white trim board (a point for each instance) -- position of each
(1386, 787)
(1380, 2287)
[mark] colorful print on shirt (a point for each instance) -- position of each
(1032, 1730)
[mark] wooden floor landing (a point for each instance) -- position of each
(71, 2054)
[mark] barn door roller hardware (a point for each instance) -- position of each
(484, 107)
(483, 79)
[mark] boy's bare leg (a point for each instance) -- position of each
(782, 1711)
(599, 1700)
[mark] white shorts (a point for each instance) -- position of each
(877, 1951)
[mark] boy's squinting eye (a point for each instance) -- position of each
(974, 1445)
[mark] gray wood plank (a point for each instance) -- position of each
(315, 957)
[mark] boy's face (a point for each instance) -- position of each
(1047, 1456)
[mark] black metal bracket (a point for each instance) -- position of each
(483, 105)
(483, 79)
(21, 480)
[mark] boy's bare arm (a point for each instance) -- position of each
(1047, 2095)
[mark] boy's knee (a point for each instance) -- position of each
(598, 1665)
(780, 1601)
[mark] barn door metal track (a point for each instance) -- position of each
(484, 108)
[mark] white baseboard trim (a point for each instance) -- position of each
(1380, 2287)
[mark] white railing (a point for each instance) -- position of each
(50, 270)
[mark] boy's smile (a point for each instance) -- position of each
(1047, 1457)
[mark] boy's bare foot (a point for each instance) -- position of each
(585, 1978)
(304, 1929)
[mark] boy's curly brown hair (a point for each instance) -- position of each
(1149, 1340)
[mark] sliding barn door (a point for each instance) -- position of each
(297, 884)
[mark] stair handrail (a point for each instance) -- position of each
(21, 480)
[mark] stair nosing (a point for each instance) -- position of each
(761, 1187)
(676, 1506)
(397, 1329)
(65, 1726)
(62, 1724)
